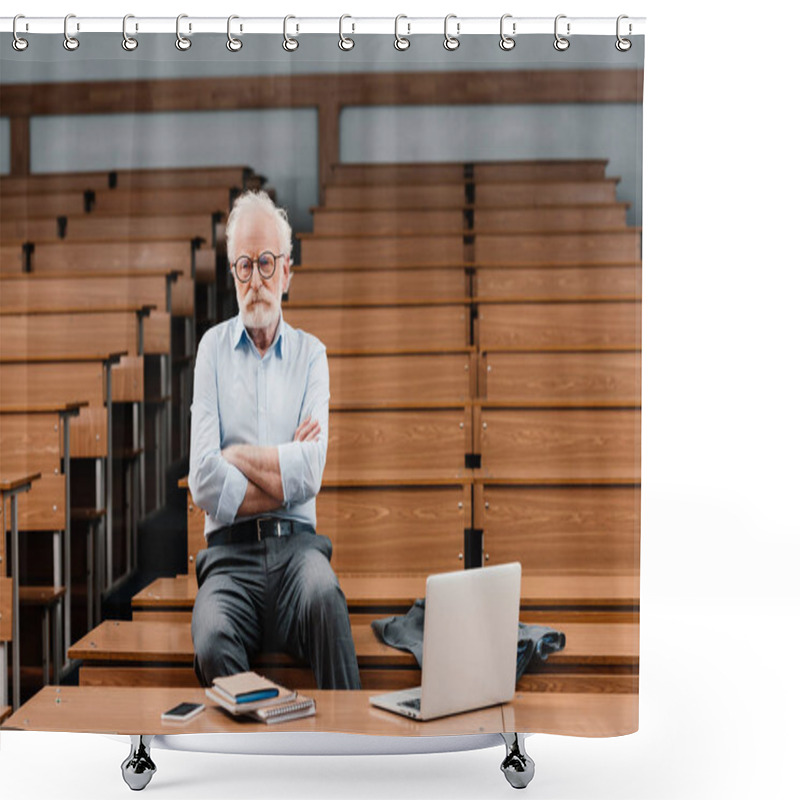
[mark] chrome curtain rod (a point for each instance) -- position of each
(347, 25)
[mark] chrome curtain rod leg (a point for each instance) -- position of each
(517, 766)
(138, 768)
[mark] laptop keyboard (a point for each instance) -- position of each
(412, 703)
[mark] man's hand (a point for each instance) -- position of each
(308, 431)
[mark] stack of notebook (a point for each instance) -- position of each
(251, 694)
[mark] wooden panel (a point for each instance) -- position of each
(416, 379)
(195, 524)
(385, 330)
(88, 433)
(43, 508)
(384, 251)
(395, 530)
(575, 531)
(61, 334)
(383, 223)
(560, 283)
(562, 446)
(11, 260)
(98, 228)
(205, 265)
(24, 384)
(99, 257)
(339, 287)
(587, 379)
(20, 135)
(369, 447)
(39, 206)
(406, 174)
(30, 443)
(527, 171)
(183, 296)
(31, 293)
(547, 219)
(157, 333)
(6, 618)
(401, 446)
(162, 201)
(17, 231)
(127, 380)
(560, 326)
(544, 193)
(607, 247)
(297, 91)
(448, 195)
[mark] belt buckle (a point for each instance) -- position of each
(266, 532)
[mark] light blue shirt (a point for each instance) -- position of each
(242, 398)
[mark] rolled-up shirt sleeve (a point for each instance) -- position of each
(216, 485)
(302, 463)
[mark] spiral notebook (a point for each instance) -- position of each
(298, 708)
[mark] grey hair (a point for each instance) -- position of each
(258, 201)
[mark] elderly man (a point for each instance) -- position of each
(259, 440)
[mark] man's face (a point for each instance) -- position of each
(259, 300)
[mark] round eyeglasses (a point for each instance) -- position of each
(266, 263)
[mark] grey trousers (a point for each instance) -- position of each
(280, 594)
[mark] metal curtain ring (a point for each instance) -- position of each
(623, 45)
(289, 44)
(345, 43)
(19, 43)
(129, 43)
(181, 42)
(451, 42)
(400, 42)
(233, 44)
(560, 43)
(70, 42)
(507, 42)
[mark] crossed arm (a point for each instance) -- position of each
(261, 466)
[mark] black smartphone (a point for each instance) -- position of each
(182, 712)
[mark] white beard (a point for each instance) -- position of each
(259, 315)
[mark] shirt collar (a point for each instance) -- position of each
(241, 336)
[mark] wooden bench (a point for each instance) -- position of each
(547, 284)
(127, 179)
(161, 653)
(386, 329)
(532, 194)
(133, 710)
(559, 326)
(321, 287)
(437, 250)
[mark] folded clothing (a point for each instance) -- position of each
(534, 645)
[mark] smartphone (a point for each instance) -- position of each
(182, 712)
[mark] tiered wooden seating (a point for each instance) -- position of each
(477, 384)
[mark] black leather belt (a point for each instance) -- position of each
(255, 530)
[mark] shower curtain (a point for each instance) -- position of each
(465, 257)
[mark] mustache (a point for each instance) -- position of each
(261, 297)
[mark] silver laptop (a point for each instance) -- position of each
(469, 647)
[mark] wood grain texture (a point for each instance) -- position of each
(559, 283)
(572, 532)
(61, 382)
(127, 380)
(99, 257)
(65, 204)
(513, 194)
(157, 333)
(595, 247)
(43, 508)
(547, 219)
(412, 379)
(386, 251)
(546, 170)
(127, 227)
(30, 443)
(20, 135)
(298, 91)
(395, 197)
(560, 326)
(562, 446)
(387, 329)
(401, 446)
(387, 223)
(149, 202)
(323, 287)
(6, 609)
(89, 433)
(398, 530)
(564, 379)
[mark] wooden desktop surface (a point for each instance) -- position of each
(131, 710)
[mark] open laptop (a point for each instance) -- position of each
(469, 646)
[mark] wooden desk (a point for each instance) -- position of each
(137, 711)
